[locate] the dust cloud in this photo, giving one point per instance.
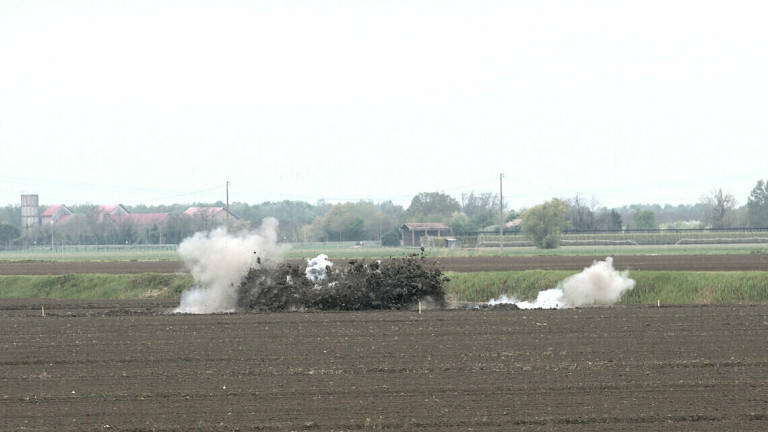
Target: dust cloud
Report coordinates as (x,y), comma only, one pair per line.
(218,260)
(598,284)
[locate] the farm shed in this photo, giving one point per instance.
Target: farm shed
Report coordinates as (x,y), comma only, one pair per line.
(412,232)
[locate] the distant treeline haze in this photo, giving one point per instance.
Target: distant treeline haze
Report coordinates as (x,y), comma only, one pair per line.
(368,221)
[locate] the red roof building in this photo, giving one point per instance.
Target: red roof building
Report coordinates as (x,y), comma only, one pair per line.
(112,210)
(55,214)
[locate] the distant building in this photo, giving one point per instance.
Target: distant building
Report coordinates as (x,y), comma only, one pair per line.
(55,214)
(514,223)
(117,215)
(30,211)
(111,210)
(412,232)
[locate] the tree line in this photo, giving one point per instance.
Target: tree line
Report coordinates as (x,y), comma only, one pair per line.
(368,221)
(544,223)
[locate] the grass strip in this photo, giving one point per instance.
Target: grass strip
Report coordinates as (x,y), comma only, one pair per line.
(95,286)
(668,287)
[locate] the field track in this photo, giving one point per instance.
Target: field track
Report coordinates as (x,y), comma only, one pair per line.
(730,262)
(126,366)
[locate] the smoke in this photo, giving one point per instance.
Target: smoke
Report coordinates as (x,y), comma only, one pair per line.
(317,266)
(218,260)
(598,284)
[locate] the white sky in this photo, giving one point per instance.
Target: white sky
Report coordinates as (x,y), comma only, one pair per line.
(160,102)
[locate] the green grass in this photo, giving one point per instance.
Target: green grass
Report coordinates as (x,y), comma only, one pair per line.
(483,286)
(94,286)
(698,288)
(668,287)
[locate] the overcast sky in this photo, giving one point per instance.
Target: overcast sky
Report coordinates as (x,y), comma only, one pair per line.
(161,102)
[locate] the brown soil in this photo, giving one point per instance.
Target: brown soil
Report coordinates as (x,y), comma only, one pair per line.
(461,264)
(125,365)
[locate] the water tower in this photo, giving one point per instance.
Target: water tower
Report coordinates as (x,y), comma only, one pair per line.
(30,211)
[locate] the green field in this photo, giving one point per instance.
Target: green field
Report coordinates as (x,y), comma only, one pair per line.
(334,251)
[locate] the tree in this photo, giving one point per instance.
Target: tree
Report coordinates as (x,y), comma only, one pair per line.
(76,230)
(11,215)
(432,207)
(719,208)
(176,228)
(8,233)
(666,214)
(460,223)
(512,215)
(544,223)
(391,238)
(580,215)
(616,222)
(482,210)
(293,216)
(757,205)
(645,219)
(608,220)
(353,221)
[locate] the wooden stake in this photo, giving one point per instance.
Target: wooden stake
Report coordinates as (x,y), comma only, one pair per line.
(419,306)
(42,309)
(658,303)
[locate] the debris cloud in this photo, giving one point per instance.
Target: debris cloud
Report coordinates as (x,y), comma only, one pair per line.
(318,267)
(218,260)
(598,284)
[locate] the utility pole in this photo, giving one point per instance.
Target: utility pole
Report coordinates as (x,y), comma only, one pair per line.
(227,205)
(501,215)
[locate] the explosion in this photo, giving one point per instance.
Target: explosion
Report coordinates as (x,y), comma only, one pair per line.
(218,261)
(598,284)
(245,272)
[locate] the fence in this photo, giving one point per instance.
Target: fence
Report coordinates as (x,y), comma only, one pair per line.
(368,244)
(626,237)
(74,252)
(94,248)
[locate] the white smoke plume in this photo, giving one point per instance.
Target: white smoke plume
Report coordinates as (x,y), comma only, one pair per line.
(598,284)
(316,267)
(218,261)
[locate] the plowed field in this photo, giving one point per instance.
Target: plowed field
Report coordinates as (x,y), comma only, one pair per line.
(461,264)
(124,365)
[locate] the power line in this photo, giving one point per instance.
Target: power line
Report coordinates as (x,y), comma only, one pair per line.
(210,189)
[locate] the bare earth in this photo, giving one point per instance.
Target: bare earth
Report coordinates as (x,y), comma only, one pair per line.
(124,365)
(757,262)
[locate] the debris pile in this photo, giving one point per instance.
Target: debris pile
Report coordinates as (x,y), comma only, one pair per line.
(394,283)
